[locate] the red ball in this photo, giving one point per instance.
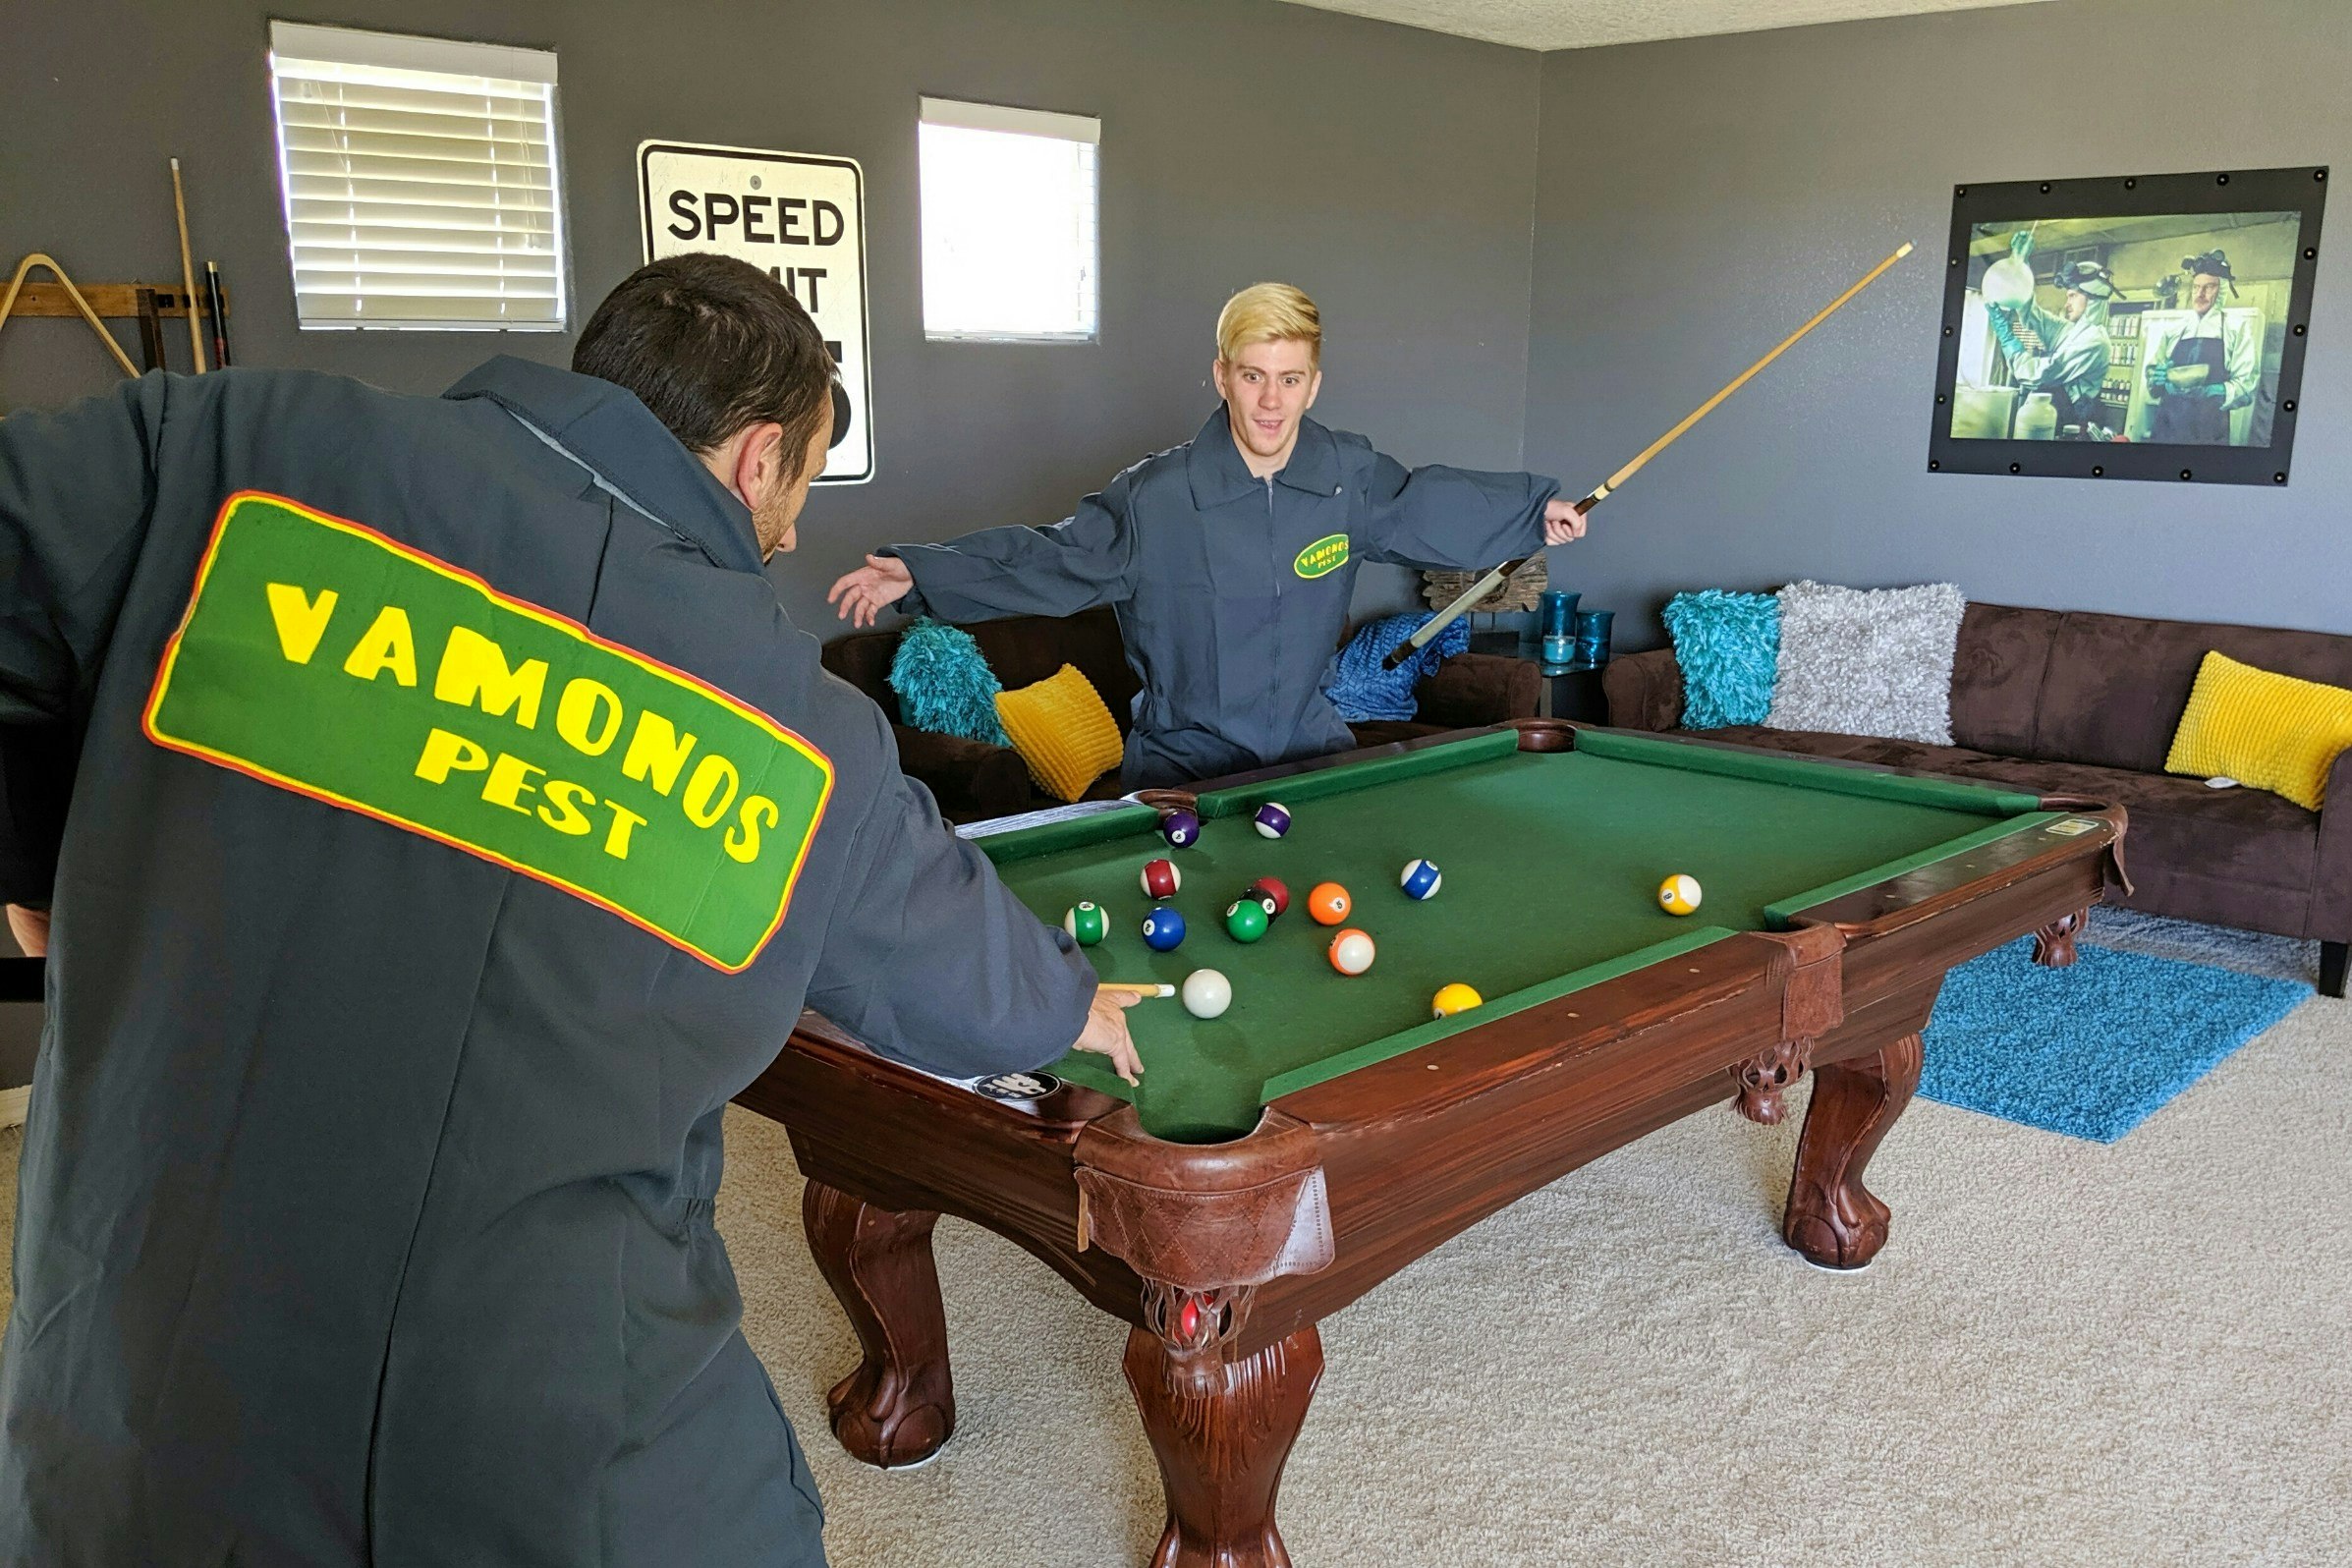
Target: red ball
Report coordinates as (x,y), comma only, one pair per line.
(1271,889)
(1160,879)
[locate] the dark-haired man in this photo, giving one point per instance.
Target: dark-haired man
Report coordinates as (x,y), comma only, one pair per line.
(459,821)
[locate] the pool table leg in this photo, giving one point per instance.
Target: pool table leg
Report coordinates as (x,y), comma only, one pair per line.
(2053,944)
(1221,1447)
(1831,1217)
(900,1405)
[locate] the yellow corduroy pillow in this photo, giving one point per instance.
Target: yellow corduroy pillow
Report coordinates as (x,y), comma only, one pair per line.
(2271,730)
(1062,731)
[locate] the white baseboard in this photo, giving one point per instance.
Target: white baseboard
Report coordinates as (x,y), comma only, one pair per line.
(13,1106)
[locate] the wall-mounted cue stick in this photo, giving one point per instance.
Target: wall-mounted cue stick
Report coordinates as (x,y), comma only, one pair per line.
(195,326)
(1494,579)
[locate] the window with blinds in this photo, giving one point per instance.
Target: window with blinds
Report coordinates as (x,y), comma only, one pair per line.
(421,181)
(1010,246)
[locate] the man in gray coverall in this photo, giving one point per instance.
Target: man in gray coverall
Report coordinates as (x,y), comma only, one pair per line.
(1230,560)
(459,824)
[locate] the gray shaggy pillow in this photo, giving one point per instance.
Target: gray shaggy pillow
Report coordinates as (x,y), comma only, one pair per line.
(1868,661)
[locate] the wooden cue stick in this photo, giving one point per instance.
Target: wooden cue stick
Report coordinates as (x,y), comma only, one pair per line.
(1128,988)
(196,325)
(1494,579)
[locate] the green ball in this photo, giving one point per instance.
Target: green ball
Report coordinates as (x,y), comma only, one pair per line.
(1087,924)
(1245,919)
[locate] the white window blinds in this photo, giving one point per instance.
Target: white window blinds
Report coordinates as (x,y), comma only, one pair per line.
(1009,222)
(421,181)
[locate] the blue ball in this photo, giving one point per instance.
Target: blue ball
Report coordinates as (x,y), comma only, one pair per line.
(1419,880)
(1272,819)
(1164,929)
(1180,829)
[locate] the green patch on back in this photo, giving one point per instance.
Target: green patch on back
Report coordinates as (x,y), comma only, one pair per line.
(325,658)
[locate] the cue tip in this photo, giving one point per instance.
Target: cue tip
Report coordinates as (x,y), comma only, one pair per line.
(1904,252)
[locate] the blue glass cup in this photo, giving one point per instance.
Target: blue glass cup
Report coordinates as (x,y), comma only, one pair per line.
(1593,637)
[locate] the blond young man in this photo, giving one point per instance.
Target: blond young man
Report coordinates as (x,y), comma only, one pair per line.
(1230,560)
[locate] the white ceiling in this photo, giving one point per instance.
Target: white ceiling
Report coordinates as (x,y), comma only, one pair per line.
(1584,24)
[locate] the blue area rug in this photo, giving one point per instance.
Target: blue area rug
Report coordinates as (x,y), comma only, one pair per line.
(2094,1050)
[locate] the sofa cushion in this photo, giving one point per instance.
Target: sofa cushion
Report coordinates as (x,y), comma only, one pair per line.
(2118,684)
(2248,838)
(1913,756)
(1998,672)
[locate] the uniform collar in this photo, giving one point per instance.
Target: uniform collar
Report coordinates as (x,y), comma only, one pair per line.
(1215,464)
(606,428)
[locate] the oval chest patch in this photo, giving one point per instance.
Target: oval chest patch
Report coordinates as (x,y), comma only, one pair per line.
(1323,557)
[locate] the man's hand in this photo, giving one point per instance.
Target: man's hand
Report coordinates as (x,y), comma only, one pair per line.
(862,594)
(30,928)
(1563,524)
(1106,1034)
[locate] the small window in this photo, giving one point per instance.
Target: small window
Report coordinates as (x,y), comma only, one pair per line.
(420,180)
(1009,235)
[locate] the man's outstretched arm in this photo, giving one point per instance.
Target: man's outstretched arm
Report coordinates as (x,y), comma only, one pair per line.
(1087,560)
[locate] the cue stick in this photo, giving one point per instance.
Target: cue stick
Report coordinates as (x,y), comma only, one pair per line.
(1494,579)
(150,328)
(216,305)
(1128,988)
(196,327)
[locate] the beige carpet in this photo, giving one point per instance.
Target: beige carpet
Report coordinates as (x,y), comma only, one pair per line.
(2068,1354)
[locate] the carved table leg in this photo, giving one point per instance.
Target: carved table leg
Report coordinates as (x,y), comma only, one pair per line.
(1831,1217)
(899,1406)
(2053,944)
(1221,1448)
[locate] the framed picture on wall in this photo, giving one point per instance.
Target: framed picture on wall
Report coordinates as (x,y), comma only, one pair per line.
(2138,327)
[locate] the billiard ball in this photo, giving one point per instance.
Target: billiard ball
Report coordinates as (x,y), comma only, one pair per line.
(1678,895)
(1180,828)
(1419,880)
(1330,903)
(1273,892)
(1272,819)
(1164,929)
(1454,998)
(1246,920)
(1160,879)
(1207,993)
(1351,951)
(1087,924)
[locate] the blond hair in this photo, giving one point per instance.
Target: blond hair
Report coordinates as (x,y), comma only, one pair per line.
(1269,312)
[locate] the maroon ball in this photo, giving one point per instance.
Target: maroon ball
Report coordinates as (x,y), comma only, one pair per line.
(1271,890)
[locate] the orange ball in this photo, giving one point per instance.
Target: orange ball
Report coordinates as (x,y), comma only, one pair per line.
(1330,903)
(1352,952)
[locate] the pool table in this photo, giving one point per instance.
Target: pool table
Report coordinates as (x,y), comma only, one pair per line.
(1283,1159)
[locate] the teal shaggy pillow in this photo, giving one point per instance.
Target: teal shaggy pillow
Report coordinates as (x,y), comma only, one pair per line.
(944,684)
(1728,645)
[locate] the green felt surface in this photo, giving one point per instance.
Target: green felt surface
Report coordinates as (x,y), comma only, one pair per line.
(1551,864)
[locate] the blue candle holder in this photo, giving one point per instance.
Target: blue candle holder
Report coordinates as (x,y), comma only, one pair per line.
(1556,626)
(1591,639)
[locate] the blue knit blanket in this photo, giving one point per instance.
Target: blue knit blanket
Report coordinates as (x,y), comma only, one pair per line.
(1363,691)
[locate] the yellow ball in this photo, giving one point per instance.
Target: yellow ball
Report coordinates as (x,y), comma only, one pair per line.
(1452,999)
(1678,895)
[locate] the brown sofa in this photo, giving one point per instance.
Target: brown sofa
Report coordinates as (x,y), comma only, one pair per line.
(2072,703)
(974,781)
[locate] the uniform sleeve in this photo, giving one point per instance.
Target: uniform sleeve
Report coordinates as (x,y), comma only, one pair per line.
(2031,363)
(2244,352)
(77,491)
(931,959)
(1450,519)
(1081,563)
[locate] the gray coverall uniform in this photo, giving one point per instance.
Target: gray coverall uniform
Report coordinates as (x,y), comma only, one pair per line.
(367,1199)
(1232,592)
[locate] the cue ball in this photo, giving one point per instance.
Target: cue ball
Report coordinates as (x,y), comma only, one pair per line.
(1352,952)
(1161,878)
(1207,993)
(1164,929)
(1329,902)
(1454,998)
(1419,880)
(1246,920)
(1087,924)
(1180,828)
(1678,895)
(1272,819)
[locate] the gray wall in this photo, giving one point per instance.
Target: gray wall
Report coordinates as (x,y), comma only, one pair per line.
(1387,171)
(1697,201)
